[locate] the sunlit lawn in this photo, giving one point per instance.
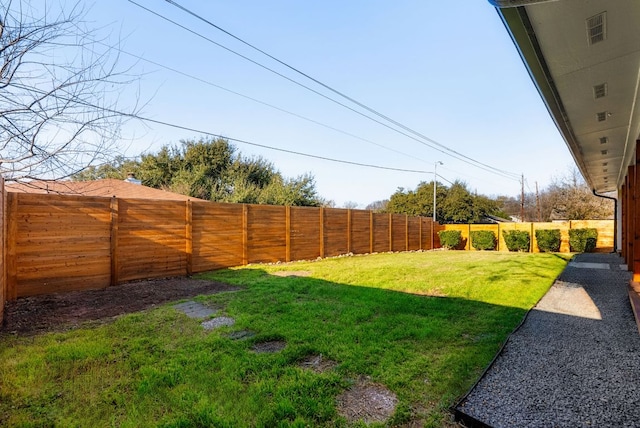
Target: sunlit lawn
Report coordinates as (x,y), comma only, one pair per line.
(422,324)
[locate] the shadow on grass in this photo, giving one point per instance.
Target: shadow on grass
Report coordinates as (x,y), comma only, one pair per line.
(428,350)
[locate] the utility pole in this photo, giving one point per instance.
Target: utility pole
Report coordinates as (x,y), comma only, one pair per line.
(522,200)
(538,203)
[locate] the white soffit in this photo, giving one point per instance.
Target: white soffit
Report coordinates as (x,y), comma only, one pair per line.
(576,66)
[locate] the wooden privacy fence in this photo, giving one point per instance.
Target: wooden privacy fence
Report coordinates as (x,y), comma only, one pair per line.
(62,243)
(55,243)
(604,244)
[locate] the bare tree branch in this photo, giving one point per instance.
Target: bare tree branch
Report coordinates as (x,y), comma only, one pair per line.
(59,93)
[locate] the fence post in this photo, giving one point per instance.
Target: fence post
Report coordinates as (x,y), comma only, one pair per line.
(532,238)
(287,233)
(12,234)
(114,240)
(420,233)
(189,236)
(322,232)
(349,230)
(390,232)
(3,244)
(245,234)
(371,235)
(433,232)
(406,232)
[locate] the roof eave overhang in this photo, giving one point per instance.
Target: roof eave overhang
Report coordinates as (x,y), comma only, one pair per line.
(518,25)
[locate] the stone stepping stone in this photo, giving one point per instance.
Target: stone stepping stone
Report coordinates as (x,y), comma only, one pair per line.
(194,309)
(218,322)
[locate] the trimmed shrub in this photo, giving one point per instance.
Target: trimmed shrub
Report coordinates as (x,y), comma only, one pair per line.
(548,240)
(583,240)
(450,239)
(483,240)
(517,240)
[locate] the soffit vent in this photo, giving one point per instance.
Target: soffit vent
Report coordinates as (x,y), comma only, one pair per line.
(600,91)
(602,116)
(604,140)
(596,28)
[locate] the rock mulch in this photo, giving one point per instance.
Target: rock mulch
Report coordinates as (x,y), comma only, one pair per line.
(574,361)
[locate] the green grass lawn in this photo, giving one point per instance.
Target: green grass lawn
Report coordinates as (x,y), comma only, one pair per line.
(424,325)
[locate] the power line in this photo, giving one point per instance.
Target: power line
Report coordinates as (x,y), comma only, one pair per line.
(186,128)
(335,91)
(264,146)
(431,143)
(299,116)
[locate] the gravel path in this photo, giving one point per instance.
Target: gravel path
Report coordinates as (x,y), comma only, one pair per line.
(575,362)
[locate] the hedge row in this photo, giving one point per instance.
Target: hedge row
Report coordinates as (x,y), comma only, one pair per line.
(549,240)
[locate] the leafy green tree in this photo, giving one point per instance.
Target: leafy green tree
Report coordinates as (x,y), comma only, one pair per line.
(454,204)
(417,202)
(457,207)
(213,170)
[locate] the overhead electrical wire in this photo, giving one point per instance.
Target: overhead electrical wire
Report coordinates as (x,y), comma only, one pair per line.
(431,143)
(299,116)
(335,91)
(237,140)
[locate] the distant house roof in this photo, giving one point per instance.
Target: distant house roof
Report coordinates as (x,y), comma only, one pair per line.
(107,188)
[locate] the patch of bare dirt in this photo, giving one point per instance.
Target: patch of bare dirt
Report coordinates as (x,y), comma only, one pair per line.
(269,346)
(367,402)
(62,311)
(295,273)
(317,363)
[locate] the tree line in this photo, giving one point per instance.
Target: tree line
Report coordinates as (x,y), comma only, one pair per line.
(566,198)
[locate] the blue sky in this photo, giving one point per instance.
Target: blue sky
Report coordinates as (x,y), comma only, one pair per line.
(446,69)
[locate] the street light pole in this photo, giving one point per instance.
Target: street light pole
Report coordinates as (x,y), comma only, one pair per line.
(435,186)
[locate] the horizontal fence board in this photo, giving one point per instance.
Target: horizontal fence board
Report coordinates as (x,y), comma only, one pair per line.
(56,285)
(360,232)
(305,233)
(380,233)
(414,233)
(61,243)
(336,240)
(398,234)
